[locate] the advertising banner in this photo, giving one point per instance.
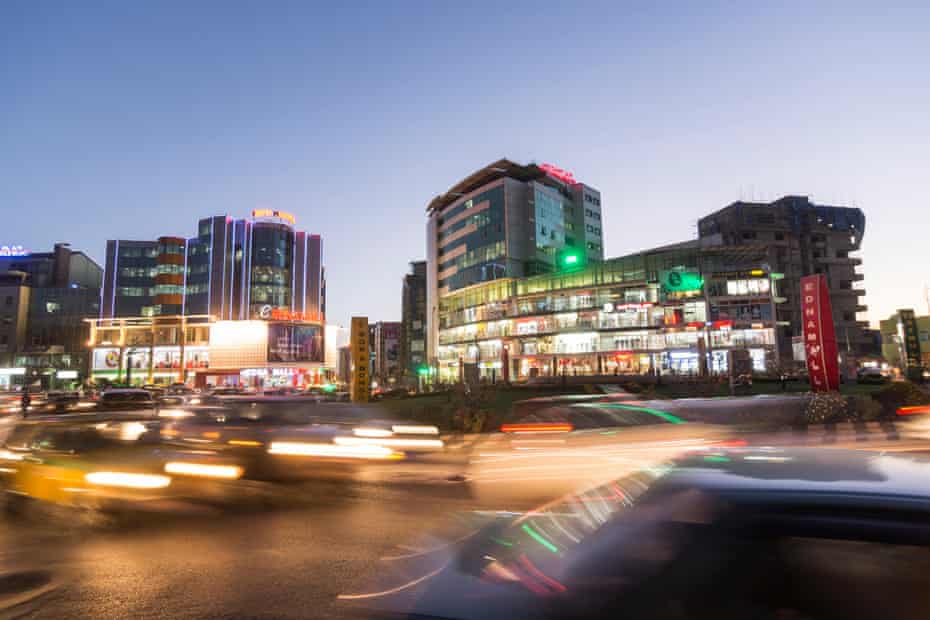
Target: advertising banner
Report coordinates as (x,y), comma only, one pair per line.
(288,342)
(819,334)
(361,381)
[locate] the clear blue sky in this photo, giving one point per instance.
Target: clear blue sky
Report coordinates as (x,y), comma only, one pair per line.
(133,119)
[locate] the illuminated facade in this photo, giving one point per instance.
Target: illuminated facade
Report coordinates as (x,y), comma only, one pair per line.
(232,270)
(508,221)
(199,350)
(673,310)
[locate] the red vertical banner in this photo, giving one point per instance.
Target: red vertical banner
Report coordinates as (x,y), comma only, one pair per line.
(819,334)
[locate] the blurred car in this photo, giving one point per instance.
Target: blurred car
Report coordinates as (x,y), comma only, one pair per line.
(871,375)
(719,534)
(550,452)
(101,462)
(271,438)
(532,405)
(126,399)
(61,402)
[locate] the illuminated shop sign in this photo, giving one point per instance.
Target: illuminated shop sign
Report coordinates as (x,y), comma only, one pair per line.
(630,307)
(281,215)
(13,250)
(280,314)
(681,281)
(558,173)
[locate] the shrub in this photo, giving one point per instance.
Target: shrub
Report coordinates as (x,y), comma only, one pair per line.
(826,408)
(900,394)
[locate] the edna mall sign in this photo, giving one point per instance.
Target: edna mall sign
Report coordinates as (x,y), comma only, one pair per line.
(13,250)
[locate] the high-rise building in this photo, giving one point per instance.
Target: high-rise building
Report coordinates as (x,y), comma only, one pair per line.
(232,270)
(508,221)
(413,320)
(802,238)
(44,300)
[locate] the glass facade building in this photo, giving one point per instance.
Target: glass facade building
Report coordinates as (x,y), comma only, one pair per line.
(675,310)
(507,221)
(232,269)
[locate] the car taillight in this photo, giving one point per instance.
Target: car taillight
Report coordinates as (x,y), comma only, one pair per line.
(914,410)
(537,427)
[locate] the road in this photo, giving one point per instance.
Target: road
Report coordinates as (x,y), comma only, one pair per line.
(288,562)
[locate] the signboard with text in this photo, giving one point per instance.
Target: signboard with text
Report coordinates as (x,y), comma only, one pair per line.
(819,334)
(361,381)
(911,343)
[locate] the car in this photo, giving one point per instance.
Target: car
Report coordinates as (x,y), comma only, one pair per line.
(103,462)
(545,454)
(273,438)
(126,399)
(871,375)
(719,533)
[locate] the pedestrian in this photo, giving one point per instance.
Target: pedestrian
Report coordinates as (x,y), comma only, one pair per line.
(25,402)
(784,382)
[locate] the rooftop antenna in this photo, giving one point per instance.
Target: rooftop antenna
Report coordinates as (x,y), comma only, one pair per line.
(927,297)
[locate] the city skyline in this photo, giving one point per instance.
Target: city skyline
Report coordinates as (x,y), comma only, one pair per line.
(258,115)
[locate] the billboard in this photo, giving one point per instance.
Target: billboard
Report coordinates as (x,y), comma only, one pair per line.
(819,334)
(361,380)
(292,342)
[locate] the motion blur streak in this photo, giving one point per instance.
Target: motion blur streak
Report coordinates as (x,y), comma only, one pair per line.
(405,429)
(536,428)
(227,472)
(129,481)
(6,455)
(394,443)
(371,432)
(539,538)
(331,450)
(244,442)
(174,413)
(546,579)
(913,410)
(409,584)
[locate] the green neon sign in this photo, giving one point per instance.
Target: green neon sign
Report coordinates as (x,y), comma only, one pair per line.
(682,281)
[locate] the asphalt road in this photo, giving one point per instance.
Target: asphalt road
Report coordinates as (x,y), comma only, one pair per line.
(291,561)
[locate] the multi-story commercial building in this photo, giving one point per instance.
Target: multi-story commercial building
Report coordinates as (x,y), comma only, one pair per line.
(384,343)
(14,317)
(895,340)
(678,309)
(508,221)
(804,238)
(45,298)
(232,270)
(413,321)
(243,302)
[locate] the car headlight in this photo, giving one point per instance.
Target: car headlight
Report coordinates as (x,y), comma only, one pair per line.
(127,480)
(204,470)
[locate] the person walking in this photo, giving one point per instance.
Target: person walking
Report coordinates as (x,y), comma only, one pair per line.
(25,402)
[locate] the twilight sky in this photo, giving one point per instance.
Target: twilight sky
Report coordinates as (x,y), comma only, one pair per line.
(133,119)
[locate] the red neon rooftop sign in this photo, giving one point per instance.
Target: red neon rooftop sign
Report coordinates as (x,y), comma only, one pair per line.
(558,173)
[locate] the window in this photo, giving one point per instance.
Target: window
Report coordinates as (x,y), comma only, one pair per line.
(779,236)
(4,339)
(52,307)
(9,300)
(749,235)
